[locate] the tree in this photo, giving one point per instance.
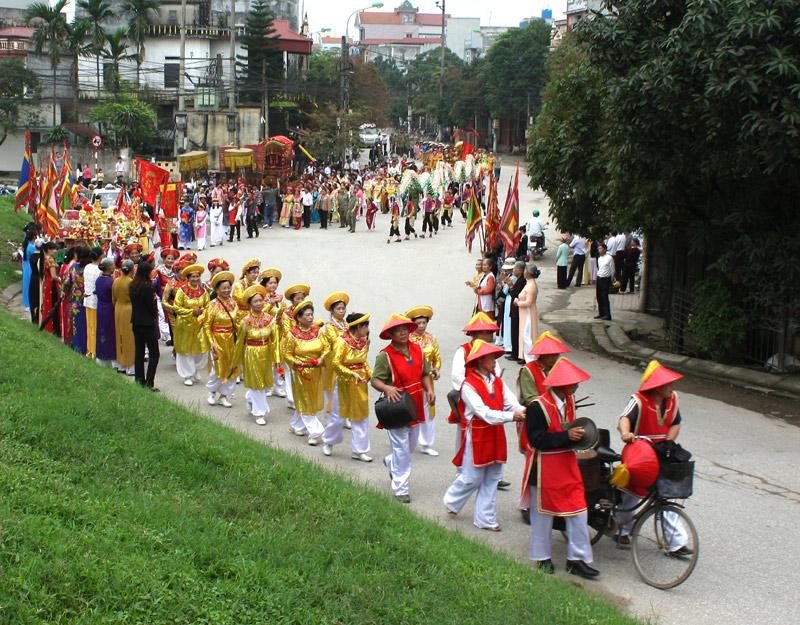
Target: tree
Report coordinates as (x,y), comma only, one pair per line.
(19,87)
(263,57)
(140,15)
(513,74)
(694,132)
(50,35)
(129,122)
(116,51)
(74,45)
(97,11)
(422,80)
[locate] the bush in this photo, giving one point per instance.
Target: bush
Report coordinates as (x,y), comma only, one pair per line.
(717,320)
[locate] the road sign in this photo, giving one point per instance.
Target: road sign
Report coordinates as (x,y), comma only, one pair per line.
(97,141)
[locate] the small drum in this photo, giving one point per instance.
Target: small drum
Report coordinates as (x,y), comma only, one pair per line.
(590,467)
(396,415)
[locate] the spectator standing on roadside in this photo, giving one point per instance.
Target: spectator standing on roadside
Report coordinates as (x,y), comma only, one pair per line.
(578,245)
(270,195)
(562,261)
(605,274)
(119,168)
(593,254)
(629,265)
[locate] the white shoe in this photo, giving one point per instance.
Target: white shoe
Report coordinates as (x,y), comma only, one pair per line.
(297,432)
(223,401)
(239,380)
(327,449)
(347,425)
(314,441)
(212,398)
(430,451)
(363,457)
(281,393)
(188,382)
(261,421)
(291,405)
(196,377)
(269,392)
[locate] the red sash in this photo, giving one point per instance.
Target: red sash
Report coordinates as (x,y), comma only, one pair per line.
(452,418)
(560,486)
(407,375)
(488,441)
(648,423)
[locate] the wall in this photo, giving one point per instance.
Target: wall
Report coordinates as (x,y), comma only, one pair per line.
(207,131)
(458,29)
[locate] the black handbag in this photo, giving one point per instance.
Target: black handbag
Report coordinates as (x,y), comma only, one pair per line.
(395,415)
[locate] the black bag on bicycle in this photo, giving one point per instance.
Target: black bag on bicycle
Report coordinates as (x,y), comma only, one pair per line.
(671,452)
(675,480)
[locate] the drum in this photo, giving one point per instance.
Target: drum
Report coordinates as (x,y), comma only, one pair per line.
(591,470)
(396,415)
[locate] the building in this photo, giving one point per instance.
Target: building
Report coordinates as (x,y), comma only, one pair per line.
(578,10)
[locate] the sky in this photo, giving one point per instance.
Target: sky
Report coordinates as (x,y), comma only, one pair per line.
(333,13)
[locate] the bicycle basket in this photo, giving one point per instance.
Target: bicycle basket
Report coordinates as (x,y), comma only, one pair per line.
(675,480)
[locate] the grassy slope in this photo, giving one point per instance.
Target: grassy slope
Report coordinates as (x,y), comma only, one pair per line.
(11,224)
(119,506)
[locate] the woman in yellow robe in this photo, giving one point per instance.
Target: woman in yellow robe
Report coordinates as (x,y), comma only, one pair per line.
(351,398)
(294,295)
(220,328)
(306,348)
(275,305)
(255,352)
(171,290)
(336,303)
(191,343)
(248,278)
(421,315)
(120,297)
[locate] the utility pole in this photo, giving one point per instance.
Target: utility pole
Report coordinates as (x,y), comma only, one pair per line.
(182,66)
(441,70)
(232,95)
(345,94)
(264,99)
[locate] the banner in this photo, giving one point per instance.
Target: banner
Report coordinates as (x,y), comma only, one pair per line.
(509,227)
(27,176)
(492,227)
(169,199)
(150,179)
(474,218)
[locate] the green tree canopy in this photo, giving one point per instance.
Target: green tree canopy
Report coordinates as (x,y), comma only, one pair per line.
(128,121)
(19,88)
(263,63)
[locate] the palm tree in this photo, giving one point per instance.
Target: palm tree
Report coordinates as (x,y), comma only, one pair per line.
(77,32)
(97,11)
(50,33)
(116,50)
(140,13)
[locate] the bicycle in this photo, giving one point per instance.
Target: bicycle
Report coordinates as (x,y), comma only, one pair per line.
(658,521)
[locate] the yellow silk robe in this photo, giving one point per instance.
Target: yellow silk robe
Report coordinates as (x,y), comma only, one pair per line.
(349,358)
(332,331)
(188,335)
(255,350)
(301,347)
(430,349)
(238,296)
(219,327)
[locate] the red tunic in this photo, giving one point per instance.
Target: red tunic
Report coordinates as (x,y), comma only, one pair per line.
(488,440)
(560,486)
(407,375)
(651,423)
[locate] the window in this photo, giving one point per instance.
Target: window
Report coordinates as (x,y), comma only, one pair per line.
(409,35)
(407,18)
(171,75)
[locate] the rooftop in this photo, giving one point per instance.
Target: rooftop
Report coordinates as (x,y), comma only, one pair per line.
(17,32)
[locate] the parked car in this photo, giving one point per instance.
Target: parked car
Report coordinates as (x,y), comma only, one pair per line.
(369,135)
(107,196)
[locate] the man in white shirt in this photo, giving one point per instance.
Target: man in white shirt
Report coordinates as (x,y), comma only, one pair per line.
(578,245)
(605,274)
(355,165)
(308,201)
(611,244)
(488,404)
(535,231)
(119,168)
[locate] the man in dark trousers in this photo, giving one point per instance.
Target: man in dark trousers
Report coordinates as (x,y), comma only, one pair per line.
(513,293)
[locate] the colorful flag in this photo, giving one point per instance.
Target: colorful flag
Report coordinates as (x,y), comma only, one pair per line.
(509,227)
(474,218)
(48,208)
(492,226)
(150,179)
(169,199)
(27,176)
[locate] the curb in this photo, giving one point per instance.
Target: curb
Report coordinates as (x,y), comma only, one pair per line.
(10,292)
(612,339)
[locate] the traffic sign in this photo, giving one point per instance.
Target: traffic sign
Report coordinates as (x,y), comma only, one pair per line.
(97,141)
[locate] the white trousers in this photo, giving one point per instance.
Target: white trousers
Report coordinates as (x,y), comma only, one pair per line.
(280,383)
(427,429)
(201,243)
(307,423)
(163,324)
(220,385)
(332,400)
(458,444)
(578,545)
(471,479)
(287,376)
(403,441)
(256,401)
(673,530)
(359,433)
(191,365)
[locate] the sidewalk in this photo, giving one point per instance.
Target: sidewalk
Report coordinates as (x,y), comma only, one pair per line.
(614,337)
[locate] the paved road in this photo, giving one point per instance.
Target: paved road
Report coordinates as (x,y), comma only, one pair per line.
(746,493)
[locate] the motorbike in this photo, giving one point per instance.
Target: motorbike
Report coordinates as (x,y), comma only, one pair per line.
(538,248)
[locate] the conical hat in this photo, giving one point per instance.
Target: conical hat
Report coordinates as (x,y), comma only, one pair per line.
(481,322)
(657,375)
(480,349)
(396,321)
(565,373)
(548,344)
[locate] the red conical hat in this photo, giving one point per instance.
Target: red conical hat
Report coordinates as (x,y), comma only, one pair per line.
(480,349)
(396,321)
(565,373)
(657,375)
(548,344)
(481,322)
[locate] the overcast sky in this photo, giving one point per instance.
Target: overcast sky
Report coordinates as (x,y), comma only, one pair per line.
(333,13)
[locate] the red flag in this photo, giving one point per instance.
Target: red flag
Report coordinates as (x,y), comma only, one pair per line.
(509,227)
(150,179)
(169,199)
(492,215)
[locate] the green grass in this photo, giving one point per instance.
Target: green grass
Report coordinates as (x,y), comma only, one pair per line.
(11,224)
(120,506)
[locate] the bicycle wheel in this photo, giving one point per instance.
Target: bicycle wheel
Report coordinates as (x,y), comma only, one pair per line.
(656,535)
